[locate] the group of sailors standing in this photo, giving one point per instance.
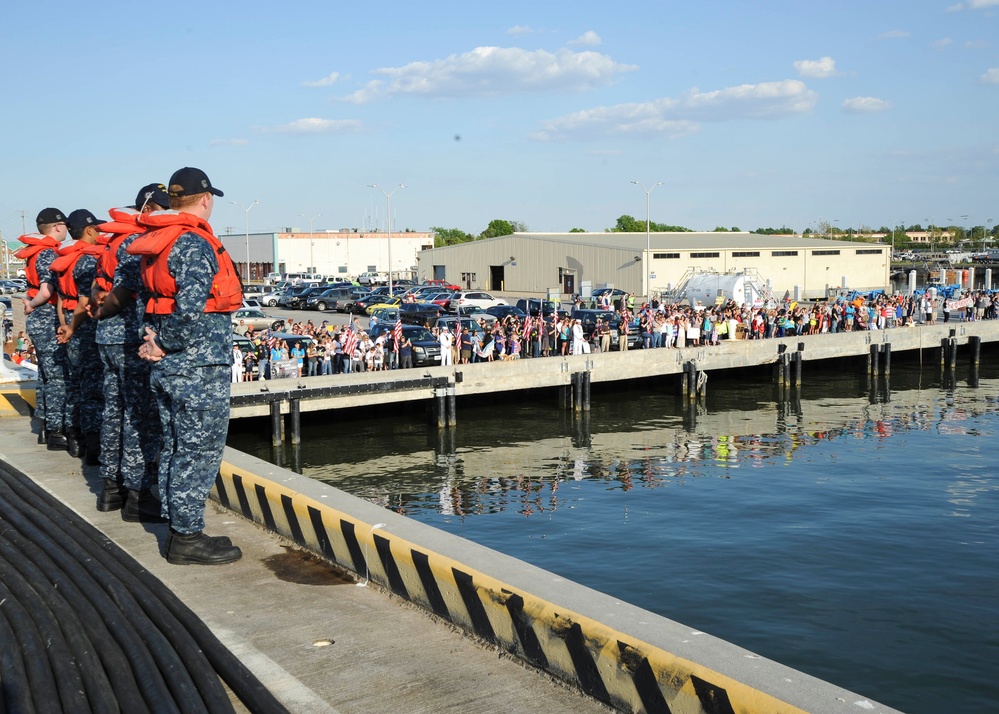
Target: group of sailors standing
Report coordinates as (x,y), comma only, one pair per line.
(130,319)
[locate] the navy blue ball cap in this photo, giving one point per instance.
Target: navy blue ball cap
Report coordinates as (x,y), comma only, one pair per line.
(50,215)
(80,219)
(189,181)
(152,193)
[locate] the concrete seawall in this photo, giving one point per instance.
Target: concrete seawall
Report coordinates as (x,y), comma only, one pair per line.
(619,654)
(344,391)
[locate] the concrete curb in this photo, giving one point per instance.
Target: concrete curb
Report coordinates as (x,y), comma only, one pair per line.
(621,655)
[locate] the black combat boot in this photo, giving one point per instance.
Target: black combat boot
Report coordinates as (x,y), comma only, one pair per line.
(141,506)
(57,440)
(199,549)
(74,443)
(43,435)
(93,440)
(112,496)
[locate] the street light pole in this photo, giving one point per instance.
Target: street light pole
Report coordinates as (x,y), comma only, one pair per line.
(246,212)
(312,242)
(388,225)
(648,236)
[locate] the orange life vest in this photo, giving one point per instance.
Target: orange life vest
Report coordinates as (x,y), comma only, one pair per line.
(35,243)
(65,264)
(121,226)
(165,227)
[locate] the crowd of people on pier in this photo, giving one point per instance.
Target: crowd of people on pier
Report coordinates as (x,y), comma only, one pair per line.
(336,349)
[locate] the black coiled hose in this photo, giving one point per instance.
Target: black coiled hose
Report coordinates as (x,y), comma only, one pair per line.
(94,630)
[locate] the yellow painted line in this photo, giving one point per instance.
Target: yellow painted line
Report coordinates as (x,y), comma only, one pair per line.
(627,673)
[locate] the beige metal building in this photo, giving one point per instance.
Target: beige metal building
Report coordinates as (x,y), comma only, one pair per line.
(575,262)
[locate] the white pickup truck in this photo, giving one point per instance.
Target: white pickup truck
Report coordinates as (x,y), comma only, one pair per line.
(373,278)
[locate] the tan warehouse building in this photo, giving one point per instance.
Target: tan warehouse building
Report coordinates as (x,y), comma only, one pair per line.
(575,262)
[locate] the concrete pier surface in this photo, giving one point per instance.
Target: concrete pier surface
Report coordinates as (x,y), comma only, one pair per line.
(278,607)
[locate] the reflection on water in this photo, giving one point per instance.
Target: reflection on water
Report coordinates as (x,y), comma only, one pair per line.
(847,530)
(515,456)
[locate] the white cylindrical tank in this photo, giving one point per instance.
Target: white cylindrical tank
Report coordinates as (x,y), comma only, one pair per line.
(706,288)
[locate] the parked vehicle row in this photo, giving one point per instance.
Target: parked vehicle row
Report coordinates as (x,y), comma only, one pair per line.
(9,286)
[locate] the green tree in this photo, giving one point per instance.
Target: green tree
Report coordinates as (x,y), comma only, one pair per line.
(577,230)
(720,229)
(499,227)
(735,229)
(449,236)
(782,231)
(629,224)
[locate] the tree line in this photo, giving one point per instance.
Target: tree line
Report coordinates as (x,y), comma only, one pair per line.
(630,224)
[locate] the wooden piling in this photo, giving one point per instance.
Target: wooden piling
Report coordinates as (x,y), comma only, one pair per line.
(277,437)
(295,420)
(452,405)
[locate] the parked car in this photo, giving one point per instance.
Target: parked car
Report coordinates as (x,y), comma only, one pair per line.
(326,298)
(426,348)
(416,313)
(501,312)
(348,303)
(442,284)
(295,298)
(8,307)
(382,301)
(476,313)
(615,295)
(361,305)
(441,300)
(451,322)
(256,318)
(8,288)
(474,297)
(271,299)
(384,314)
(537,306)
(589,319)
(372,278)
(272,278)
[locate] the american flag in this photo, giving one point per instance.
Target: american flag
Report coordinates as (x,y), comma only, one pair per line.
(397,334)
(527,327)
(349,341)
(271,341)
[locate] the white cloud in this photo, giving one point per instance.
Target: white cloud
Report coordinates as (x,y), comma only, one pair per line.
(941,43)
(495,71)
(973,5)
(520,30)
(371,91)
(676,117)
(588,39)
(820,68)
(865,105)
(893,34)
(326,81)
(991,76)
(976,44)
(313,125)
(229,142)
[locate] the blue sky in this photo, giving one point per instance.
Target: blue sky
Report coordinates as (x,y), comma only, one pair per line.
(859,113)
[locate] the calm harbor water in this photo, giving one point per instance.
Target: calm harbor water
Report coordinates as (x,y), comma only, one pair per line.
(850,533)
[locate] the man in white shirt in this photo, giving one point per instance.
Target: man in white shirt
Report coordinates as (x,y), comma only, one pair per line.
(577,337)
(445,339)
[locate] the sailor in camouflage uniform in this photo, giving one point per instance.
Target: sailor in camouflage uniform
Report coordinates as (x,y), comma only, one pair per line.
(130,429)
(41,323)
(190,350)
(84,398)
